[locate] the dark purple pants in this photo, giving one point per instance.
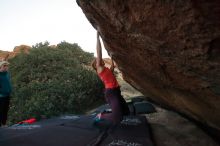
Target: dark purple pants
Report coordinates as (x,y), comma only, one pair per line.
(4,107)
(117,103)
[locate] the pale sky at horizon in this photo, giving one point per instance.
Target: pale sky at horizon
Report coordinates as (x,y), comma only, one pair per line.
(33,21)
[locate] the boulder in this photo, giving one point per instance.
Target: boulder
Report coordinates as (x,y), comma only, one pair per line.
(167,49)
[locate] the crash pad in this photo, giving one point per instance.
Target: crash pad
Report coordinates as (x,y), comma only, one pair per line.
(133,130)
(79,132)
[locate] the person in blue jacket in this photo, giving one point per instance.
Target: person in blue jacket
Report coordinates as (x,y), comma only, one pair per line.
(5,91)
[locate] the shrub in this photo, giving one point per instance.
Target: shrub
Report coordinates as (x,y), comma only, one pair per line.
(52,81)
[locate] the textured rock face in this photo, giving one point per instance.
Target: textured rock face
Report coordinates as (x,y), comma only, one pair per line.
(168,49)
(17,50)
(21,48)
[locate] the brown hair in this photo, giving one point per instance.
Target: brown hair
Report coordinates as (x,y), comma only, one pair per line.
(93,64)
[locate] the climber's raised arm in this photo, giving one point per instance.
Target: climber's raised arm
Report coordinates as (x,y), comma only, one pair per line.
(99,62)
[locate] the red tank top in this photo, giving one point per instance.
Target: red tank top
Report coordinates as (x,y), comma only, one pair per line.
(108,78)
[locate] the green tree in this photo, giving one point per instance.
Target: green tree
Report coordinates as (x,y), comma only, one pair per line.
(51,81)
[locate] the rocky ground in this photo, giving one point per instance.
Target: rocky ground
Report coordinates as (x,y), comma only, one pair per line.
(169,128)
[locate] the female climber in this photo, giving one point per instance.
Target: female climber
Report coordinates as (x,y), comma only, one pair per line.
(112,90)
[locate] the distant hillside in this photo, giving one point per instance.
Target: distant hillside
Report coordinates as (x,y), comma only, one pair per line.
(17,49)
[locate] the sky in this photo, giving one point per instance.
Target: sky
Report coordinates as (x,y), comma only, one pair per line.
(33,21)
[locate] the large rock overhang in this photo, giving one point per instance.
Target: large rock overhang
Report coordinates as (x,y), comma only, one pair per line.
(167,49)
